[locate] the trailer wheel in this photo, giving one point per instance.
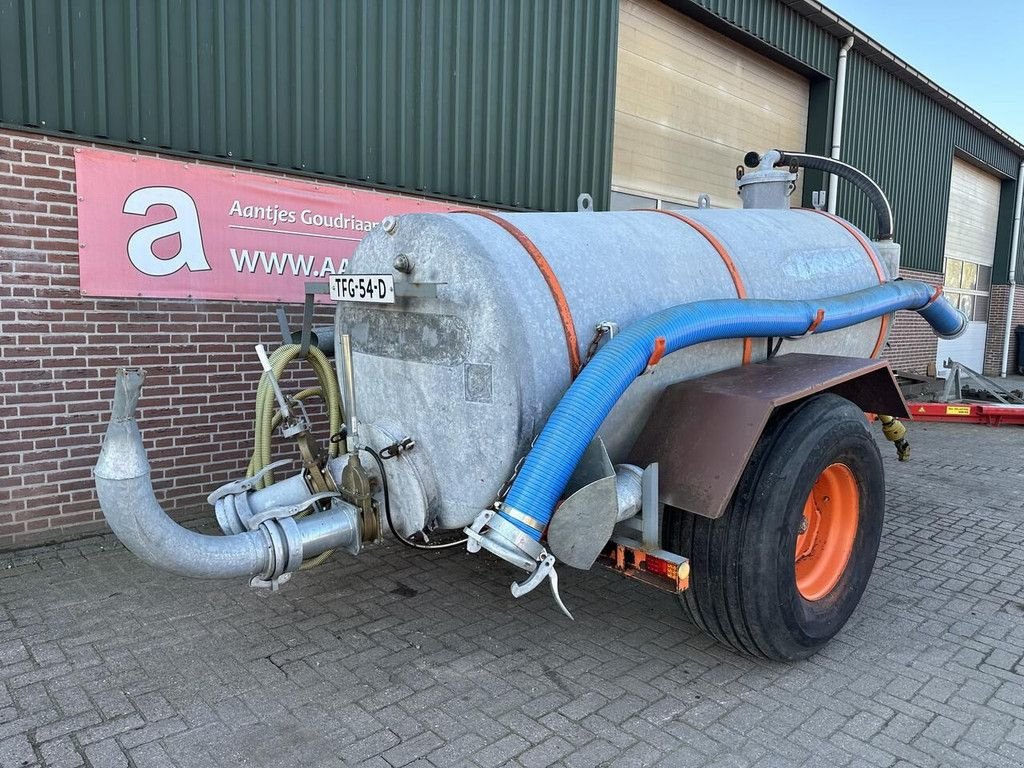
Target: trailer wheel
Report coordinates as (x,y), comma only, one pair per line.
(779,574)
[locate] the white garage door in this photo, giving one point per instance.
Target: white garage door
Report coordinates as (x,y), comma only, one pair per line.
(689,103)
(970,247)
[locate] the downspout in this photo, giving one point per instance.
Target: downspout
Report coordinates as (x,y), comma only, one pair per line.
(1014,247)
(837,121)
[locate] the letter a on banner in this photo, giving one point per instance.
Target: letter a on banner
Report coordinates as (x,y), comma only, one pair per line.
(185,225)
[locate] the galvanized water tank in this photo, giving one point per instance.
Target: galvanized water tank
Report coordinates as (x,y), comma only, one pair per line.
(472,374)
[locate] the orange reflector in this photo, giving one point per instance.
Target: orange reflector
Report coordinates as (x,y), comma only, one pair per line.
(669,572)
(660,567)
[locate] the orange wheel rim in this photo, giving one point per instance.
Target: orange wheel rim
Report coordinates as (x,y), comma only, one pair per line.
(827,531)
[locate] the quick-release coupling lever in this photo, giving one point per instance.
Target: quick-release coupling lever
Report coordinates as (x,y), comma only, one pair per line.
(489,531)
(545,569)
(247,484)
(289,510)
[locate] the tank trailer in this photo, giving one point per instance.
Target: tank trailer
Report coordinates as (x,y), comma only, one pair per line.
(681,396)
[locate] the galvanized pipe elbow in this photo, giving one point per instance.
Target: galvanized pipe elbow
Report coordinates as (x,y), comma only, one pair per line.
(126,497)
(134,514)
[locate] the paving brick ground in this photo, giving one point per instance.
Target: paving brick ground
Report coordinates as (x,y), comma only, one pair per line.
(403,659)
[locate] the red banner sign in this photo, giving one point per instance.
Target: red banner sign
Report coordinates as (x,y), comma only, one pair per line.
(175,229)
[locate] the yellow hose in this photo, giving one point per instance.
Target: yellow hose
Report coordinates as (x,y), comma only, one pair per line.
(268,416)
(266,406)
(275,422)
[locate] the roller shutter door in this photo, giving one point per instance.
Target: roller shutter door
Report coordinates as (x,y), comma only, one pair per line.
(970,246)
(690,103)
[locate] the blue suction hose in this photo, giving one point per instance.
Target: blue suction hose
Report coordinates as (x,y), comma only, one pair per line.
(577,417)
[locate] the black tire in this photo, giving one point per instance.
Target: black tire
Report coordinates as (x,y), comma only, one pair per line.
(743,588)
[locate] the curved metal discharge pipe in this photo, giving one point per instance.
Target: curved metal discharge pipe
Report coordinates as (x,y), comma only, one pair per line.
(579,414)
(859,179)
(126,497)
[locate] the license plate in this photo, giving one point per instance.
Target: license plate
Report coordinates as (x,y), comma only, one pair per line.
(379,289)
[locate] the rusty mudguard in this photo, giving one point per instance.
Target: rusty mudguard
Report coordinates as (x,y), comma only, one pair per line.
(702,431)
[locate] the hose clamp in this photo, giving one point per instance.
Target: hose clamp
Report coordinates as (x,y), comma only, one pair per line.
(522,517)
(285,544)
(501,538)
(935,296)
(657,352)
(818,317)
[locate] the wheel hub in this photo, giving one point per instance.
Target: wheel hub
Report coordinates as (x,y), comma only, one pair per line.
(827,531)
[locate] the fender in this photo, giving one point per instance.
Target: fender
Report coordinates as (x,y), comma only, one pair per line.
(702,431)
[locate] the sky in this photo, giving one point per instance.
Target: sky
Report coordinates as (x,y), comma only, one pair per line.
(972,48)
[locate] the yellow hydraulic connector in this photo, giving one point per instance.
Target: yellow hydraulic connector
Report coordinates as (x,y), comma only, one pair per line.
(896,433)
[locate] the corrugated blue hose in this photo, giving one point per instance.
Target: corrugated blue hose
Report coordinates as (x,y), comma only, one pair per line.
(578,415)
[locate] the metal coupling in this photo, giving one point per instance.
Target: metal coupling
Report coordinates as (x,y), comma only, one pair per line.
(281,513)
(499,537)
(270,531)
(285,546)
(895,431)
(292,539)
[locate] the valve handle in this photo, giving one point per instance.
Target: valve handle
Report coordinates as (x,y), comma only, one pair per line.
(545,570)
(276,513)
(282,401)
(246,484)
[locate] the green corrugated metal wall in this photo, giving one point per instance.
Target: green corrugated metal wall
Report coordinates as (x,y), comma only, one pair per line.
(906,142)
(505,103)
(780,27)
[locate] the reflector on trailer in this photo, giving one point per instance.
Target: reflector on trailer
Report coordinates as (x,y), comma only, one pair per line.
(659,568)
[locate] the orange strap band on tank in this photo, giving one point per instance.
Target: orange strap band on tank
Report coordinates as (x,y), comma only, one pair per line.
(561,303)
(734,273)
(884,328)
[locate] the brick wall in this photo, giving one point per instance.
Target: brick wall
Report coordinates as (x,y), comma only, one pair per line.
(58,352)
(912,344)
(997,327)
